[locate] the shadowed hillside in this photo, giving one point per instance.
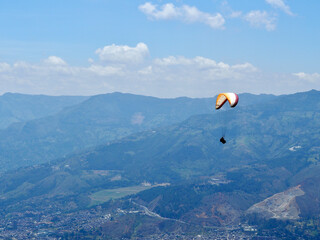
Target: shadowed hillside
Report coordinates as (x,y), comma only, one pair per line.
(183,173)
(99,119)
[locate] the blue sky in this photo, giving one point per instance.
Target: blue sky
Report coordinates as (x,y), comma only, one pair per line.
(159,48)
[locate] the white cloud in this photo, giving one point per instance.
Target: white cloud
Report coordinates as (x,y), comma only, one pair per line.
(105,70)
(146,70)
(228,11)
(184,13)
(314,77)
(235,14)
(281,5)
(261,19)
(246,67)
(163,77)
(55,60)
(199,76)
(4,67)
(167,11)
(204,64)
(123,54)
(171,61)
(171,76)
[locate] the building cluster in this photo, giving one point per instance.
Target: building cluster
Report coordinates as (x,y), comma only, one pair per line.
(44,225)
(49,224)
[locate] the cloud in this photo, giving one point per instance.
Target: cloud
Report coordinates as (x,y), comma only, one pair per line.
(184,13)
(281,5)
(198,76)
(105,70)
(4,67)
(315,77)
(235,14)
(204,64)
(123,54)
(168,11)
(257,18)
(55,60)
(261,19)
(228,11)
(170,76)
(146,70)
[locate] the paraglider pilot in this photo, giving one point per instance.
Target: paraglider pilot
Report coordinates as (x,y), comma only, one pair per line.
(223,140)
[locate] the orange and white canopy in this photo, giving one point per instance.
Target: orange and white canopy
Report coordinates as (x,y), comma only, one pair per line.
(223,97)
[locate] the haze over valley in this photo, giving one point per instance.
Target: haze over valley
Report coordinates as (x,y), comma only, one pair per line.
(161,159)
(176,119)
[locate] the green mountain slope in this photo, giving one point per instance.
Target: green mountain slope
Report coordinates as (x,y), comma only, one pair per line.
(268,134)
(263,134)
(99,119)
(271,147)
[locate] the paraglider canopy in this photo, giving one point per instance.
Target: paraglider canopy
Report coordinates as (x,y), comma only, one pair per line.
(223,97)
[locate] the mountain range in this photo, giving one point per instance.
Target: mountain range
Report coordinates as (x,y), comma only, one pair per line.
(87,123)
(271,158)
(15,107)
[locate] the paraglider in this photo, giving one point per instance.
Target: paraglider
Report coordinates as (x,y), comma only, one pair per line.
(223,140)
(222,98)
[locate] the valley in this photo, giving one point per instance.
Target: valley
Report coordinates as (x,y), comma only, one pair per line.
(178,180)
